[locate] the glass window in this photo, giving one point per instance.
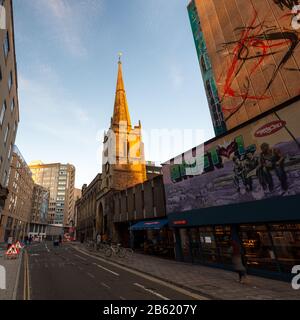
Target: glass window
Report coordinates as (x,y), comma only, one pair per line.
(223,241)
(10,80)
(2,114)
(185,243)
(6,45)
(257,246)
(6,133)
(286,241)
(208,245)
(12,105)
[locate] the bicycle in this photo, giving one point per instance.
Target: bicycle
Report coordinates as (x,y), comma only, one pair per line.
(116,250)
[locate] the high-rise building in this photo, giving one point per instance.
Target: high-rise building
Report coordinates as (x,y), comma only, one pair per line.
(39,211)
(15,218)
(59,179)
(9,105)
(249,56)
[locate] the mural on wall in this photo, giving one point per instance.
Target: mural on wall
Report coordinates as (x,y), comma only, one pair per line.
(254,53)
(258,161)
(265,40)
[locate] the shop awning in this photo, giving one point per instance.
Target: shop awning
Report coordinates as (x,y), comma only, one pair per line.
(154,225)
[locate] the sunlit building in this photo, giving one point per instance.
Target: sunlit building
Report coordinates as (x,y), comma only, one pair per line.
(15,218)
(59,179)
(249,55)
(9,104)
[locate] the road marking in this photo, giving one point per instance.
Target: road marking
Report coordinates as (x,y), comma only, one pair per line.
(98,265)
(80,268)
(26,288)
(34,255)
(90,275)
(84,259)
(122,298)
(148,277)
(105,285)
(151,291)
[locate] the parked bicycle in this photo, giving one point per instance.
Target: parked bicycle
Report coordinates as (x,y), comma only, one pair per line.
(118,250)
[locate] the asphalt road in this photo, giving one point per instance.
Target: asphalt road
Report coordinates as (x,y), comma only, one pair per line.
(63,273)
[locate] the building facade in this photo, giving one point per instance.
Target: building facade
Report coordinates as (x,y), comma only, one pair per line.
(9,103)
(248,53)
(244,187)
(59,179)
(86,208)
(15,218)
(39,211)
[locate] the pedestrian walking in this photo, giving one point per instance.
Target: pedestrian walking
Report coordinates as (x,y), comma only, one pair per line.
(238,262)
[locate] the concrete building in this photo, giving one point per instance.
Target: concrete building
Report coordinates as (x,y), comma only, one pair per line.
(248,53)
(16,215)
(86,208)
(59,179)
(39,211)
(9,103)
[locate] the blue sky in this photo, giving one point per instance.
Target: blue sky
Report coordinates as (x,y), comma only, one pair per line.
(67,68)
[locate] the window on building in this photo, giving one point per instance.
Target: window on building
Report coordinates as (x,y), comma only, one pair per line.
(12,105)
(6,134)
(6,45)
(2,114)
(9,151)
(10,80)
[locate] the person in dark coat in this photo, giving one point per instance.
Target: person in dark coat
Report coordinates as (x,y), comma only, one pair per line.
(238,263)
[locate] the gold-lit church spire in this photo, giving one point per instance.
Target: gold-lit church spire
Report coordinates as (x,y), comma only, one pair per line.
(121,112)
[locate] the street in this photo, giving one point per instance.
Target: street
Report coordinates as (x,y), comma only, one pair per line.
(64,273)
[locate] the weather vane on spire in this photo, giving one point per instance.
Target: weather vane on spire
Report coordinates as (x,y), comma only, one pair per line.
(120,55)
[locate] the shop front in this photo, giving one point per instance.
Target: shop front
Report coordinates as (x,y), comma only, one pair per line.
(269,248)
(153,237)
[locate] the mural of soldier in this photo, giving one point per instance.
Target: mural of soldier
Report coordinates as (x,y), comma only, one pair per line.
(273,159)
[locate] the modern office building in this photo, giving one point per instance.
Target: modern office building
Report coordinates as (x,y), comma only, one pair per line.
(39,211)
(15,218)
(9,104)
(249,56)
(59,179)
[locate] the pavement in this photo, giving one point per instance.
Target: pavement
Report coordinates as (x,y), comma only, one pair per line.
(68,273)
(12,270)
(209,282)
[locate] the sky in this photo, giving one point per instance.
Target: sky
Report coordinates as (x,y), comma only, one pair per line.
(67,53)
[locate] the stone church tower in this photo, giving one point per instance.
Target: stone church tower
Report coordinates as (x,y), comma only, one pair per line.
(123,161)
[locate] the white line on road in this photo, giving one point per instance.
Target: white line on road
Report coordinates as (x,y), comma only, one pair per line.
(122,298)
(151,291)
(145,276)
(90,275)
(98,265)
(105,285)
(80,257)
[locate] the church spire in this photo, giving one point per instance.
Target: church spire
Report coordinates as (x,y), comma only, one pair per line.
(121,112)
